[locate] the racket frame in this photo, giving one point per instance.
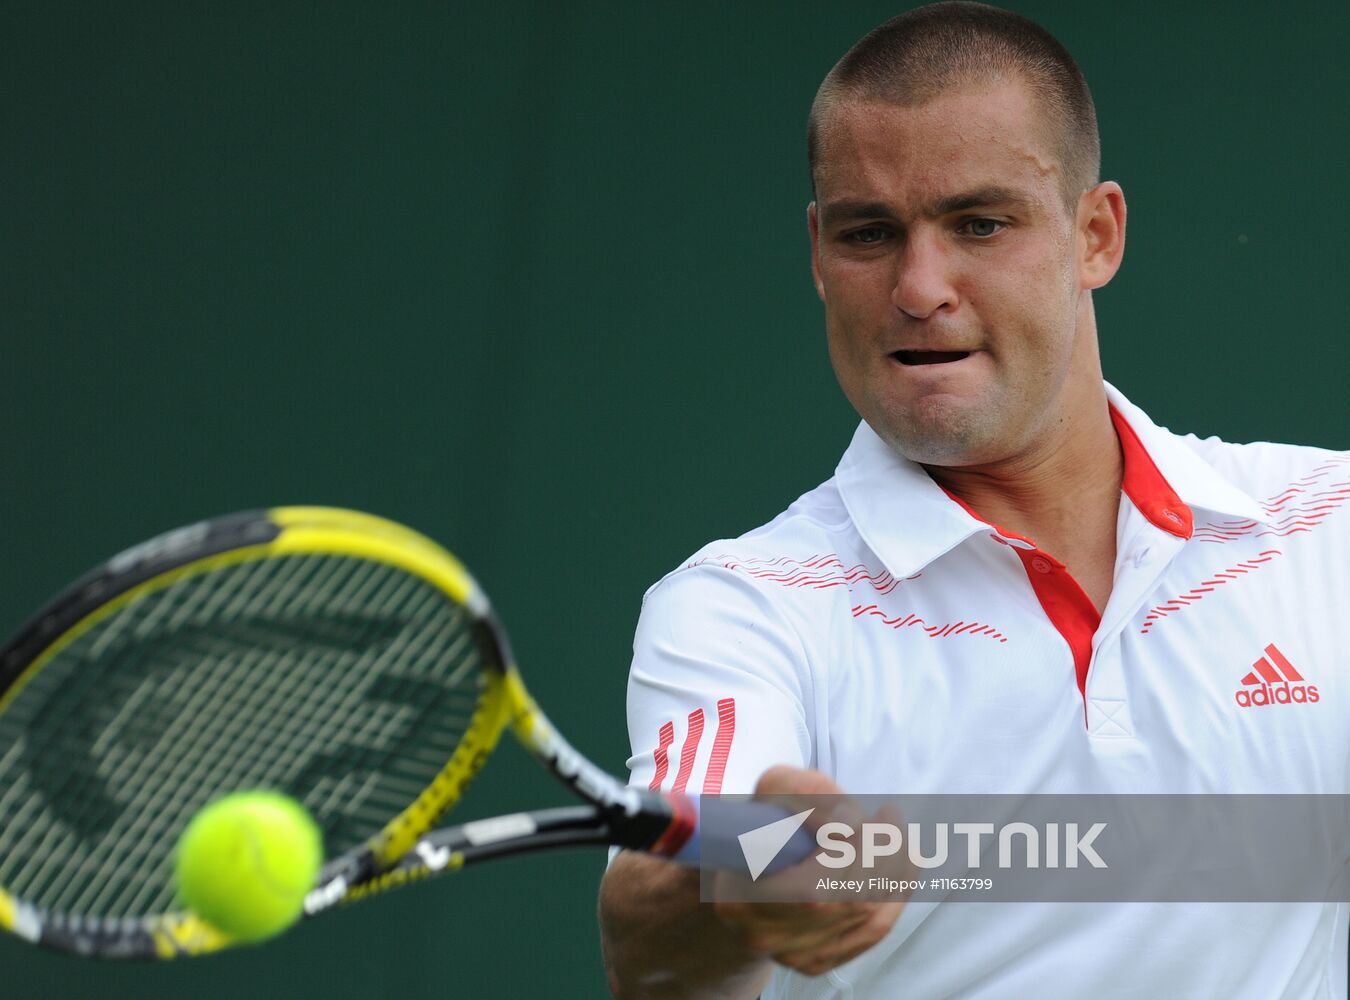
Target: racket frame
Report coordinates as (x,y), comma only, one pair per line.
(402,851)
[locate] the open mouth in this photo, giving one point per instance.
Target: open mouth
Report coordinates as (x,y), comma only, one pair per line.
(929,357)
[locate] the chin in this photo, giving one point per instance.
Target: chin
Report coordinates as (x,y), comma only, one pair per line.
(943,435)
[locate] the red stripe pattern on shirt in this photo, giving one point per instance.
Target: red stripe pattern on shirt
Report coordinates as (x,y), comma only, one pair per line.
(667,737)
(690,751)
(717,762)
(726,729)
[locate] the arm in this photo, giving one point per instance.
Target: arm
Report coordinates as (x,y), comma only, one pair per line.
(660,941)
(714,654)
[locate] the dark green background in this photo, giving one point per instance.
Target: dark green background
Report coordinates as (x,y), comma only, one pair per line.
(534,278)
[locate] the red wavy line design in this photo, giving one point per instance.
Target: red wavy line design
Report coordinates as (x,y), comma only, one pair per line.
(817,572)
(1161,611)
(827,570)
(1303,507)
(934,631)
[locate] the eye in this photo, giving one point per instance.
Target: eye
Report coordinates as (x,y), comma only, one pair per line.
(983,228)
(867,236)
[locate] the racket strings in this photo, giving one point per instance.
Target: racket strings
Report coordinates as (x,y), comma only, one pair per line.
(147,709)
(150,708)
(344,682)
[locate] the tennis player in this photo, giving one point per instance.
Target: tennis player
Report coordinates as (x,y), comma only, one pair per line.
(1015,582)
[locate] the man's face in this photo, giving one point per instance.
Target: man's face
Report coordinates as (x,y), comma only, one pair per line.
(947,261)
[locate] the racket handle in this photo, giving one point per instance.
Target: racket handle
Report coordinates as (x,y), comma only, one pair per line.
(721,845)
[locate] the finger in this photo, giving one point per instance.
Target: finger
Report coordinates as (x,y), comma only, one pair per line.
(768,929)
(774,943)
(796,789)
(784,780)
(790,918)
(841,809)
(844,947)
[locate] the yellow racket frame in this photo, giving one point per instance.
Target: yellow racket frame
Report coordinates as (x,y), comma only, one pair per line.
(336,531)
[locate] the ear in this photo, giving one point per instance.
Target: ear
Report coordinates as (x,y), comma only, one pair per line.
(1101,234)
(813,224)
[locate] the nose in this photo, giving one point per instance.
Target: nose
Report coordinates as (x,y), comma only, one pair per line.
(923,283)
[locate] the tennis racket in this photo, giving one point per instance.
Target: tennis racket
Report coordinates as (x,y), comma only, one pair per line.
(335,656)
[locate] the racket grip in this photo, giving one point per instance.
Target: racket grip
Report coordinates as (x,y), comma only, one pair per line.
(723,844)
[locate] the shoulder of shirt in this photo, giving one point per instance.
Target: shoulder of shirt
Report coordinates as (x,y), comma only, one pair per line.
(1261,468)
(816,524)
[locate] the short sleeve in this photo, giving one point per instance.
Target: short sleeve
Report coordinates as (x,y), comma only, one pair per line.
(718,690)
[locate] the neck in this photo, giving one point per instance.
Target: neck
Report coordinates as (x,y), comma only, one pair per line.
(1064,495)
(1069,478)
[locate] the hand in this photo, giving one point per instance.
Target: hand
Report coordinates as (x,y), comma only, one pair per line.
(811,938)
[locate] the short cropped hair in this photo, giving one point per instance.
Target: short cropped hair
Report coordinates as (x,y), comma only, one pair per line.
(944,47)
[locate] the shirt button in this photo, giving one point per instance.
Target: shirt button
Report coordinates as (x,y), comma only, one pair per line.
(1141,556)
(1172,516)
(1040,565)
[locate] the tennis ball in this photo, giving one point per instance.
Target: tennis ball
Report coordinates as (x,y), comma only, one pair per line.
(246,861)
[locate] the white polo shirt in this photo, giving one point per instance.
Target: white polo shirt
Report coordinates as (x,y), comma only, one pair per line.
(879,631)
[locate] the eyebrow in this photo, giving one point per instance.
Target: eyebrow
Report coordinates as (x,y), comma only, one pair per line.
(979,198)
(856,208)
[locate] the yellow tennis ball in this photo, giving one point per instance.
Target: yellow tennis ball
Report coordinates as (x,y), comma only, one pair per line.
(246,861)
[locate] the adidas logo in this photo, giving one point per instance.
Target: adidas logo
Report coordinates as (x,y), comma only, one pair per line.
(1275,682)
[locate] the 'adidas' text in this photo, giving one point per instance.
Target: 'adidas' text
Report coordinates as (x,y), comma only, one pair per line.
(1285,694)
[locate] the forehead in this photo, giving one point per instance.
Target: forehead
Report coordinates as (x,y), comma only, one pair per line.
(984,136)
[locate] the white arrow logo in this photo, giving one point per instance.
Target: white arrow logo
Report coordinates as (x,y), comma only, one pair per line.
(762,844)
(435,858)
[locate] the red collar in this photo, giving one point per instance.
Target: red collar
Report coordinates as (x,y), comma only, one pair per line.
(1146,487)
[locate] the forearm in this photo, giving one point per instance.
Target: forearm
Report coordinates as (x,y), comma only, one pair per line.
(661,943)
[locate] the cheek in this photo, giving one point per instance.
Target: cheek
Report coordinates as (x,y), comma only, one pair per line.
(846,304)
(858,294)
(1031,308)
(853,355)
(846,351)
